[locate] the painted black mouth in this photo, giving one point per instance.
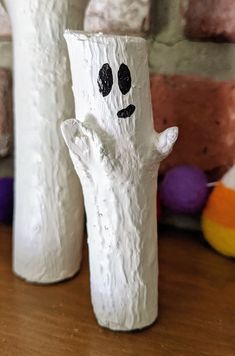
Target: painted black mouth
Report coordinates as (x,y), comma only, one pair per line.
(127,112)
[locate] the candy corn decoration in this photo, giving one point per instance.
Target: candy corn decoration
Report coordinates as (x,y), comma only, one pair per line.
(218,220)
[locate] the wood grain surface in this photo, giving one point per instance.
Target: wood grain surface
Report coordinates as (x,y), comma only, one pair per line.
(197,308)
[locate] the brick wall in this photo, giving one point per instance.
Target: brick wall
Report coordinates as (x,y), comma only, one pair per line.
(5,40)
(6,115)
(192,60)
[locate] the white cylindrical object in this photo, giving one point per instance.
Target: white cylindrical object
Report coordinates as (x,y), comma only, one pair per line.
(116,153)
(48,218)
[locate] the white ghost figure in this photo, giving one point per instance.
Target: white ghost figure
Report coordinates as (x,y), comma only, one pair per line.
(116,154)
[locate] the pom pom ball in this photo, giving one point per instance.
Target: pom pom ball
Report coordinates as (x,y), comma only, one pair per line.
(218,218)
(6,200)
(184,190)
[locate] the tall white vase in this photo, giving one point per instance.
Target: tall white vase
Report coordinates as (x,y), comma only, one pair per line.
(116,154)
(48,221)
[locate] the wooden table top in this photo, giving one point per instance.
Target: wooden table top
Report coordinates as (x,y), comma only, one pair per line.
(197,308)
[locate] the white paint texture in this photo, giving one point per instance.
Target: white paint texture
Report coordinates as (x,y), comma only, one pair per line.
(119,16)
(117,161)
(48,222)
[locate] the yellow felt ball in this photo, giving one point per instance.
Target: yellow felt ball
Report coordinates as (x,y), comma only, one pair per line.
(218,218)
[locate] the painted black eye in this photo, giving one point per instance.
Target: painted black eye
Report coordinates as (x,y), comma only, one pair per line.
(124,79)
(105,79)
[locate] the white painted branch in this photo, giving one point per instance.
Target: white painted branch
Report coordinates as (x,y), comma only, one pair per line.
(48,224)
(116,157)
(119,16)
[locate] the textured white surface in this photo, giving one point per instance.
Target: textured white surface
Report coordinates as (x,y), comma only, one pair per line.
(119,16)
(117,161)
(48,221)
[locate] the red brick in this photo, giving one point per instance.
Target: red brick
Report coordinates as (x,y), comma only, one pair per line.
(204,110)
(6,123)
(5,28)
(210,19)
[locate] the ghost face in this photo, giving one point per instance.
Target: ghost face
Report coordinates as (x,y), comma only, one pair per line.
(105,83)
(111,82)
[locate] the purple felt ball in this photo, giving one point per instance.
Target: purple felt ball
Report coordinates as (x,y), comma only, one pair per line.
(6,200)
(184,190)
